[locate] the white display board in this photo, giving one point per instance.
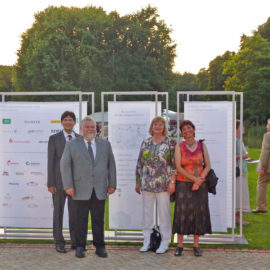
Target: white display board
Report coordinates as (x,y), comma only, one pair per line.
(24,132)
(213,122)
(129,123)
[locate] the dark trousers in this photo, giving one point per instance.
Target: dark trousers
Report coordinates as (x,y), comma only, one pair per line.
(96,208)
(59,199)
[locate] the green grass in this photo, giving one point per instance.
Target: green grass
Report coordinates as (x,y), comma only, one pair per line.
(257,232)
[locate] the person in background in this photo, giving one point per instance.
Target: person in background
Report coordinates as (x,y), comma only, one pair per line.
(105,133)
(264,173)
(56,147)
(89,175)
(241,152)
(191,212)
(155,169)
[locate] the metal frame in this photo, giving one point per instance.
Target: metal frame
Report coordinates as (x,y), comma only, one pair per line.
(134,93)
(62,93)
(224,238)
(124,235)
(12,233)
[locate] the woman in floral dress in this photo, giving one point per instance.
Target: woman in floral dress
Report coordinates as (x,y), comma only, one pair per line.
(155,169)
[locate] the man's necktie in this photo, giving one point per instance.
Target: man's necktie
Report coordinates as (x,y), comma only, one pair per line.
(69,137)
(90,150)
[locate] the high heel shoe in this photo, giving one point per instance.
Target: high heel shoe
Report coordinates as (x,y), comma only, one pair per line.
(178,251)
(197,251)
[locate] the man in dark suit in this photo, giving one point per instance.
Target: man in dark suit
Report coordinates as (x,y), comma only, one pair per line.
(89,175)
(56,147)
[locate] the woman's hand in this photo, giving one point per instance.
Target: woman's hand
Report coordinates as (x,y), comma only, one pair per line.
(195,187)
(138,188)
(198,181)
(171,188)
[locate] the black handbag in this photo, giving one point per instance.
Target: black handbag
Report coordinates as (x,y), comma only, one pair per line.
(211,179)
(155,239)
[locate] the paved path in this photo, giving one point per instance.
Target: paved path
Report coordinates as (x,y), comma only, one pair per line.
(43,257)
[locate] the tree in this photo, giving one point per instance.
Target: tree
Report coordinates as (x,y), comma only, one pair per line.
(249,71)
(182,82)
(6,84)
(264,30)
(215,70)
(202,79)
(61,51)
(87,49)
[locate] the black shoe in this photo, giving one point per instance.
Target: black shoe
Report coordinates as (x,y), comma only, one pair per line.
(257,211)
(101,252)
(178,251)
(79,252)
(197,252)
(61,249)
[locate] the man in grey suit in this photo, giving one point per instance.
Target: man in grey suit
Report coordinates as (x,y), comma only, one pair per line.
(56,147)
(89,175)
(264,173)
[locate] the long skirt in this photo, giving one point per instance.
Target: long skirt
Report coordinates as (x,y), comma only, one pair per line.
(191,212)
(245,195)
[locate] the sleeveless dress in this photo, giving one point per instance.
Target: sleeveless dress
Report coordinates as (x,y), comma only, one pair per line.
(191,212)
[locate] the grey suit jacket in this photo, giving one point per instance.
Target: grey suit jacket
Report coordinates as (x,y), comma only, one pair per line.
(56,146)
(83,174)
(265,154)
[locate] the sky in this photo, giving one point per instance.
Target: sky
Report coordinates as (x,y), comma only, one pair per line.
(202,29)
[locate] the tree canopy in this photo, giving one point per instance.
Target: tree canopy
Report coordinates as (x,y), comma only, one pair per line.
(249,71)
(87,49)
(6,73)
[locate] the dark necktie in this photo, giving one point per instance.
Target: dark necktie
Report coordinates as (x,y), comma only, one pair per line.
(90,150)
(69,137)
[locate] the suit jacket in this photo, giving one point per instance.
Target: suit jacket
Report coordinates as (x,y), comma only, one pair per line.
(83,174)
(56,146)
(265,154)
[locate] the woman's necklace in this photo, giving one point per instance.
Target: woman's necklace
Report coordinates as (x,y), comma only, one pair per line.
(190,144)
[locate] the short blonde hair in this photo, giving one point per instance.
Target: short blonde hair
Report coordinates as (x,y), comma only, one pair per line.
(159,119)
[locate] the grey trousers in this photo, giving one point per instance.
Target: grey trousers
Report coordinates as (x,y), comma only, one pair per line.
(59,199)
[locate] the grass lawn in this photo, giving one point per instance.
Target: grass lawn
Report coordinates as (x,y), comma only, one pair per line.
(258,232)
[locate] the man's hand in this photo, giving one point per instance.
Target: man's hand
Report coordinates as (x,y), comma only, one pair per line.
(70,192)
(111,190)
(261,172)
(52,189)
